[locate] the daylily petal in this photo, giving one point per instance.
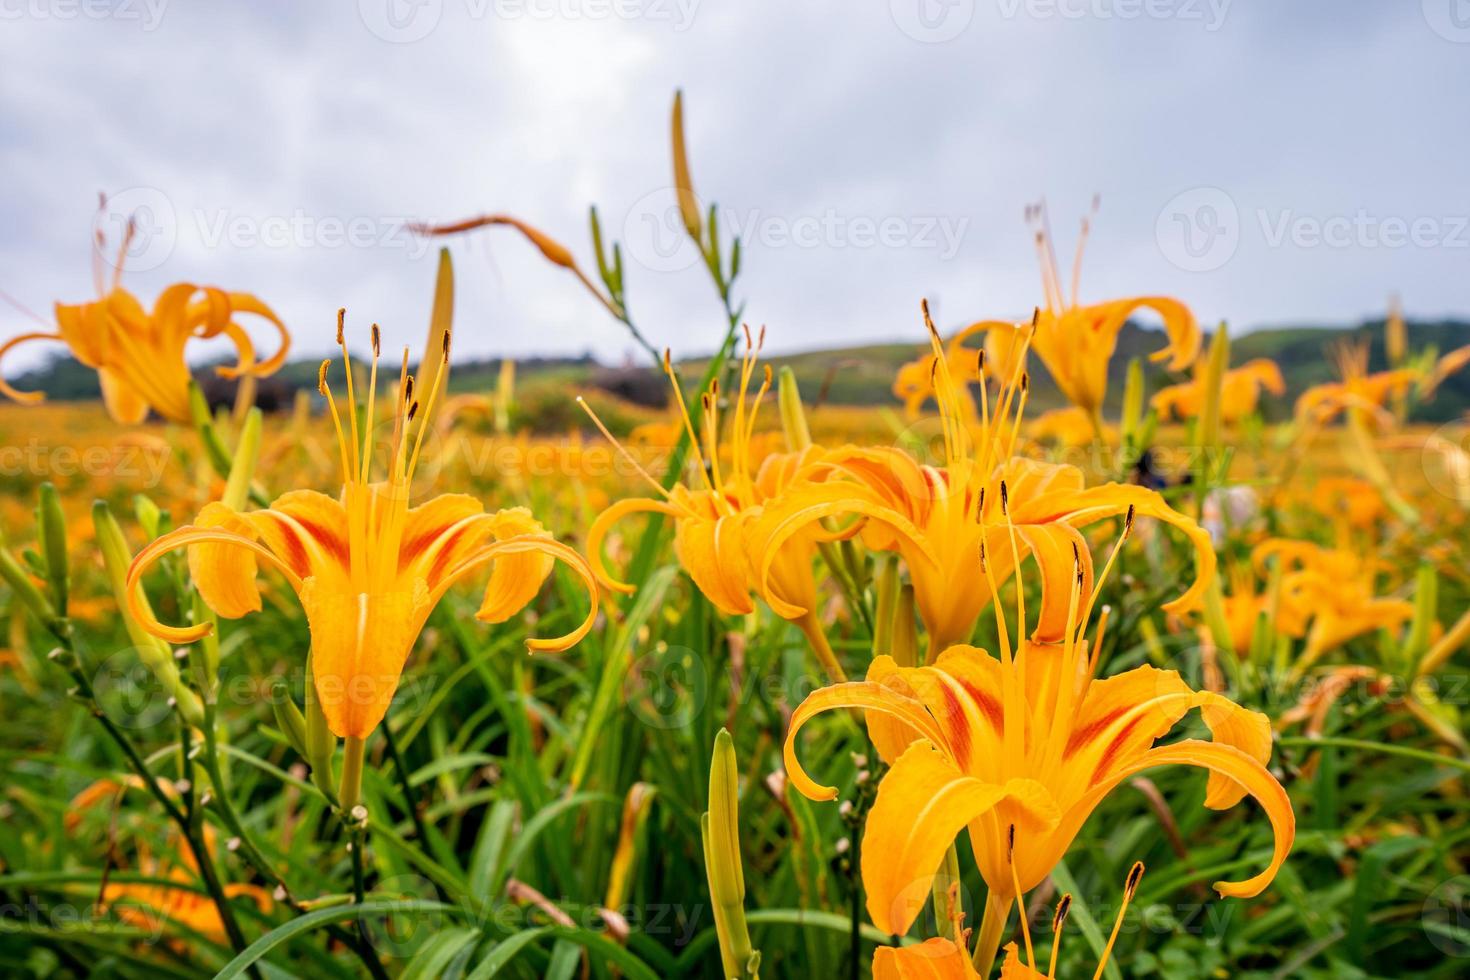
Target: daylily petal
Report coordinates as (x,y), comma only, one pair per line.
(936,959)
(516,577)
(923,803)
(541,545)
(873,697)
(359,644)
(1231,763)
(1083,507)
(181,538)
(605,521)
(24,397)
(123,404)
(713,553)
(1059,550)
(224,577)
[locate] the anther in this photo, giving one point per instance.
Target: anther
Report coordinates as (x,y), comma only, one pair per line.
(1135,874)
(1063,907)
(341,321)
(321,377)
(377,336)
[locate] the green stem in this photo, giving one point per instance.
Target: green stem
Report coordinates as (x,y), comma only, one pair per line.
(1384,747)
(349,791)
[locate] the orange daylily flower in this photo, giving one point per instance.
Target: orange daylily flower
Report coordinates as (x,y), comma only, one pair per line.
(367,567)
(138,354)
(1357,389)
(1355,500)
(1076,342)
(1068,427)
(1240,391)
(746,532)
(1337,587)
(971,498)
(1021,749)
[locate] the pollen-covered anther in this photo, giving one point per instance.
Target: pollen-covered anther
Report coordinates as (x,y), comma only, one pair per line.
(1005,499)
(1135,874)
(377,337)
(341,323)
(1059,918)
(321,377)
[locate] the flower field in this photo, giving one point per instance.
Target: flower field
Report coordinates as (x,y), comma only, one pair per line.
(403,680)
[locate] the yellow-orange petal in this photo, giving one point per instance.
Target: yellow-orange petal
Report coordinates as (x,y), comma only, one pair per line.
(869,696)
(604,522)
(1231,763)
(224,576)
(936,959)
(181,538)
(923,802)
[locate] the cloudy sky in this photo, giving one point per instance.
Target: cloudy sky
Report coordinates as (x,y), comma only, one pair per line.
(1268,162)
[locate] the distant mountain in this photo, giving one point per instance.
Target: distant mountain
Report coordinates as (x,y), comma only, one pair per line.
(864,375)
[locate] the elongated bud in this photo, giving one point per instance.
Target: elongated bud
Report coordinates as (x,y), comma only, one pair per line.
(1426,608)
(1133,395)
(242,470)
(24,587)
(1214,379)
(720,830)
(683,184)
(153,652)
(505,393)
(320,743)
(441,322)
(886,585)
(150,518)
(52,524)
(1395,333)
(905,649)
(793,416)
(289,718)
(214,447)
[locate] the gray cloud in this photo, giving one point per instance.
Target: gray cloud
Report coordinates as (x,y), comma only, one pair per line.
(1268,163)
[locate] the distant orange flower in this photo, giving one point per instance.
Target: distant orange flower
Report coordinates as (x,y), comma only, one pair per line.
(138,354)
(1076,342)
(1240,391)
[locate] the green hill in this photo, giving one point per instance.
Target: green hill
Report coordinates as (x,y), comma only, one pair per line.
(864,375)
